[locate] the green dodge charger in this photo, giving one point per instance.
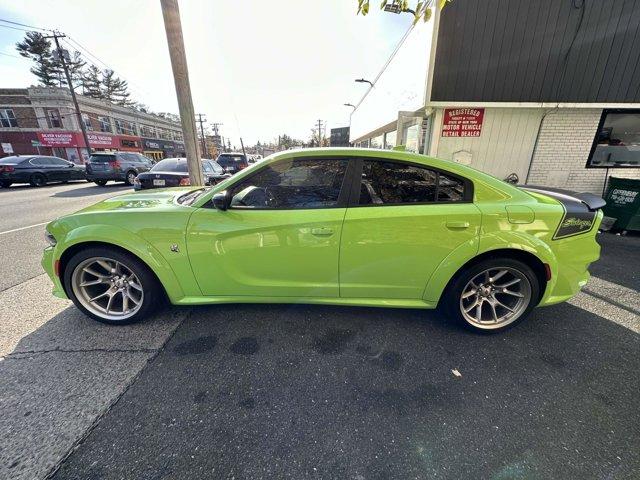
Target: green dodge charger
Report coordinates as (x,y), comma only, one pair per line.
(331,226)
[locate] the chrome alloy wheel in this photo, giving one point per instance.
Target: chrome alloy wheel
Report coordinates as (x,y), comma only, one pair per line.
(107,288)
(495,297)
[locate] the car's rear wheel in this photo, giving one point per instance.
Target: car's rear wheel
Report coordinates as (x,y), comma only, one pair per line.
(492,295)
(111,286)
(100,183)
(5,183)
(37,180)
(131,176)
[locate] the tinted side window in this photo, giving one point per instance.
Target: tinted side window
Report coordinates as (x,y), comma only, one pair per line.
(58,162)
(292,184)
(390,182)
(207,167)
(450,189)
(40,162)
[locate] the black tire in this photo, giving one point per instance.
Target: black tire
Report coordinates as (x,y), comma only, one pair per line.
(154,295)
(38,180)
(452,303)
(131,175)
(5,183)
(100,183)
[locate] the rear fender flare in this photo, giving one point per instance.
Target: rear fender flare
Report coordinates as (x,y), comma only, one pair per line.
(487,243)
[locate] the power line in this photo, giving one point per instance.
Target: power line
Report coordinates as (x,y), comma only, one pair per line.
(15,28)
(25,25)
(13,56)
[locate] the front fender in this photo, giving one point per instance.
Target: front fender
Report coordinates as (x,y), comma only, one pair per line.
(131,242)
(502,240)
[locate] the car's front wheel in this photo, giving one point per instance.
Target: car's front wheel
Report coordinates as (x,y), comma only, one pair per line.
(131,177)
(492,295)
(111,286)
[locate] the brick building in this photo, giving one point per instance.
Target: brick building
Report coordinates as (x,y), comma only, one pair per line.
(546,89)
(42,120)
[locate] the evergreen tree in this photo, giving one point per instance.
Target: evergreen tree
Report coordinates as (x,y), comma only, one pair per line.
(92,82)
(115,89)
(38,49)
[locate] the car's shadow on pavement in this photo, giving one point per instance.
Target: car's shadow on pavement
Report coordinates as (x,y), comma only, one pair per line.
(275,391)
(93,189)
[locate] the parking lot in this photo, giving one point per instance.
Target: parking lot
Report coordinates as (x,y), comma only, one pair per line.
(254,391)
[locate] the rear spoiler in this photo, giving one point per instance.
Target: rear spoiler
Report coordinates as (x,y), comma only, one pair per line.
(591,201)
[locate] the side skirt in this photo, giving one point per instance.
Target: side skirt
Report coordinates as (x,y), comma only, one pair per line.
(355,302)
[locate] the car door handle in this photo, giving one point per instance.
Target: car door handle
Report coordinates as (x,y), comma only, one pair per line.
(322,231)
(457,225)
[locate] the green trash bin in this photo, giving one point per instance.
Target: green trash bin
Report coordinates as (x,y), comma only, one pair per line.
(623,203)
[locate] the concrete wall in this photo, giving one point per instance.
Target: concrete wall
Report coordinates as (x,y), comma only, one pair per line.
(564,143)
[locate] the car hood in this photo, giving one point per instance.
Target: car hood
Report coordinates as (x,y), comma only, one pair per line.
(161,199)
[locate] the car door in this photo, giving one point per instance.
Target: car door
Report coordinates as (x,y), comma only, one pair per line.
(280,236)
(403,220)
(62,170)
(43,165)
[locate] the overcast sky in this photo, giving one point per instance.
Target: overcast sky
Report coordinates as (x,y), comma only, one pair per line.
(262,68)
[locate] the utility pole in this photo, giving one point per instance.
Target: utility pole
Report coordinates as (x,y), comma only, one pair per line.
(56,35)
(204,143)
(242,145)
(173,28)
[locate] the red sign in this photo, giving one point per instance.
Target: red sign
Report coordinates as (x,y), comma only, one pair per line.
(59,139)
(96,140)
(462,122)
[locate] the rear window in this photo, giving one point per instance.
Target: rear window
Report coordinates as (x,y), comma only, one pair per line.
(170,165)
(12,160)
(225,160)
(102,158)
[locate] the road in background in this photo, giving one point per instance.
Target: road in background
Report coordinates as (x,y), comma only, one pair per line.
(25,210)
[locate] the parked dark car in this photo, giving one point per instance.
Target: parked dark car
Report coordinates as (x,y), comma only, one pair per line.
(38,170)
(117,166)
(232,162)
(172,172)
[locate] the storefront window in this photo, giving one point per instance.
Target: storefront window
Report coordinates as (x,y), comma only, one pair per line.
(617,141)
(7,118)
(411,138)
(390,139)
(377,142)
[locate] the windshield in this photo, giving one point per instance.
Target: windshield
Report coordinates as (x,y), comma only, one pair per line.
(170,165)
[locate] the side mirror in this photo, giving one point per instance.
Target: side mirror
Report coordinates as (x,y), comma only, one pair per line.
(221,200)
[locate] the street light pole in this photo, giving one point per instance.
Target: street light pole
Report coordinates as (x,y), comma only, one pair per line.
(63,62)
(173,28)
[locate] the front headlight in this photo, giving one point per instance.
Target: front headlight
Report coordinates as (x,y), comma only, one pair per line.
(51,240)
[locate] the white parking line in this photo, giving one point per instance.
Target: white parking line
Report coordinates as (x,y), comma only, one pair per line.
(24,228)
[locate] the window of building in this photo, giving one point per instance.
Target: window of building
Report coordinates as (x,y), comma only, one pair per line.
(164,134)
(53,118)
(292,184)
(617,141)
(87,121)
(178,136)
(7,118)
(390,139)
(105,124)
(124,142)
(147,131)
(124,127)
(389,183)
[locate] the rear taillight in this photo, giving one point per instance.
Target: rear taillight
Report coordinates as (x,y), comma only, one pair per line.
(7,168)
(185,182)
(115,164)
(242,166)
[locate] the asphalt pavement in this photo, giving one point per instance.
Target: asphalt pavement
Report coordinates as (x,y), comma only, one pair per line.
(24,212)
(277,391)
